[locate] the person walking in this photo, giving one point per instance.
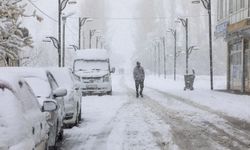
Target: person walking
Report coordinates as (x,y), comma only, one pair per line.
(139,77)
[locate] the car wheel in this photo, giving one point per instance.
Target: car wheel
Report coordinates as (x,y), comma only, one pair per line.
(52,148)
(60,136)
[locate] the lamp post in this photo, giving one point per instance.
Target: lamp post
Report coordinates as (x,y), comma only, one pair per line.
(155,58)
(164,56)
(64,18)
(91,34)
(74,47)
(98,38)
(185,25)
(173,31)
(207,6)
(159,58)
(82,21)
(61,7)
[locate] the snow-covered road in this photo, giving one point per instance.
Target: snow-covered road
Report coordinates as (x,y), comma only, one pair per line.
(156,122)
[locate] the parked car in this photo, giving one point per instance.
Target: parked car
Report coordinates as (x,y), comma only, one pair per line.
(73,100)
(93,66)
(23,126)
(45,88)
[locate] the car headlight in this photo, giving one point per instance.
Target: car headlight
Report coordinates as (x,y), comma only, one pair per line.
(106,78)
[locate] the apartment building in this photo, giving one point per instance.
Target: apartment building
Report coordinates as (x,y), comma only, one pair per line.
(233,24)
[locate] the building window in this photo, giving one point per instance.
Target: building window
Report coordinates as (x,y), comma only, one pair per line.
(231,6)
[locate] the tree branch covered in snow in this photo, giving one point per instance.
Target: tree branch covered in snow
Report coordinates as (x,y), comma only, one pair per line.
(13,37)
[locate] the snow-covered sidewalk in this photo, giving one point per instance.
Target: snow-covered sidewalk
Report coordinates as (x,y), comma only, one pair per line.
(229,104)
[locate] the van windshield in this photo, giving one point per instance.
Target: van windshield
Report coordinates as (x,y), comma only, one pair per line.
(91,65)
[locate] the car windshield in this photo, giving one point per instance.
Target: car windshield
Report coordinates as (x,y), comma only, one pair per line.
(63,79)
(40,86)
(91,65)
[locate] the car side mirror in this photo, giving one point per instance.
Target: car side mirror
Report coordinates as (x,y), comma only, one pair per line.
(113,70)
(49,106)
(59,92)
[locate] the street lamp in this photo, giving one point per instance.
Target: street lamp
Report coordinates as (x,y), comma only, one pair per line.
(191,48)
(64,18)
(173,31)
(82,21)
(164,56)
(155,57)
(157,42)
(207,6)
(74,47)
(185,25)
(61,6)
(91,34)
(98,38)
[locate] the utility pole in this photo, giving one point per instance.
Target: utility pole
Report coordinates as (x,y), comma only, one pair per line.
(210,45)
(207,6)
(185,25)
(175,53)
(61,7)
(82,21)
(63,53)
(155,59)
(159,59)
(91,34)
(186,28)
(173,31)
(164,57)
(64,19)
(59,32)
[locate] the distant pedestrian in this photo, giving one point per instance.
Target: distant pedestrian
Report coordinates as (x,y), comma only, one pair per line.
(139,77)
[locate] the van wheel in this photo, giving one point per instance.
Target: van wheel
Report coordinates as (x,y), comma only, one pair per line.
(109,92)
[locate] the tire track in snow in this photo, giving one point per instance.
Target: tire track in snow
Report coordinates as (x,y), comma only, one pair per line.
(191,136)
(235,127)
(235,122)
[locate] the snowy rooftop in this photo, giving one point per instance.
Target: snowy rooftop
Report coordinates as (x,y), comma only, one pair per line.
(92,54)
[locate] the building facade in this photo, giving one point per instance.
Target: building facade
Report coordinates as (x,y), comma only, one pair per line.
(233,24)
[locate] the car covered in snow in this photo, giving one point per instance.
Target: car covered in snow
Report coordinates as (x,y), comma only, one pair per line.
(93,67)
(23,126)
(73,100)
(45,87)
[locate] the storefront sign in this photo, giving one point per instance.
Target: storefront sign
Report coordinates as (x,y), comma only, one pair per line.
(221,29)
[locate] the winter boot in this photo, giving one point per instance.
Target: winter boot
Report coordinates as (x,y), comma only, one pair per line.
(137,94)
(141,94)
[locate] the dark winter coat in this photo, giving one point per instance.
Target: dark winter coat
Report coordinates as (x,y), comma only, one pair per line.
(139,74)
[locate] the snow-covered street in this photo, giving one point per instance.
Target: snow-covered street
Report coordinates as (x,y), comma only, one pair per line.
(158,121)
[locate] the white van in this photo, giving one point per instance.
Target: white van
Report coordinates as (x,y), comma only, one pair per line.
(93,67)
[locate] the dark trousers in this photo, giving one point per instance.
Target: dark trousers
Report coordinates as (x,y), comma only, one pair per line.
(139,84)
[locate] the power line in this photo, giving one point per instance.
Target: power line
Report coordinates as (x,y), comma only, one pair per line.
(144,18)
(42,11)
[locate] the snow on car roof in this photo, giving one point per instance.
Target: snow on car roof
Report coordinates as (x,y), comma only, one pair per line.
(26,72)
(92,54)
